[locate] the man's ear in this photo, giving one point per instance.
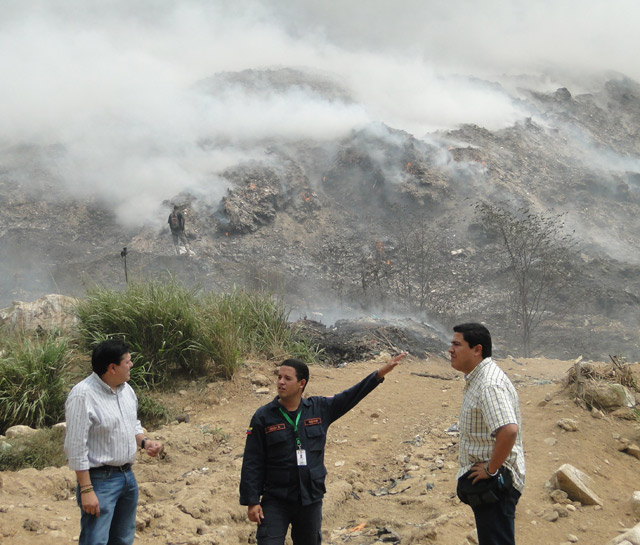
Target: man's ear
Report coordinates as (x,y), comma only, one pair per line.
(477,350)
(303,383)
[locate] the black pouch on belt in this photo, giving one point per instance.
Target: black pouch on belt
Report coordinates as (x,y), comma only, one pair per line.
(485,491)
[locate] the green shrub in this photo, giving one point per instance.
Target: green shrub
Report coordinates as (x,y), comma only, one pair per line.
(34,381)
(161,321)
(42,449)
(151,412)
(223,340)
(257,323)
(218,433)
(174,330)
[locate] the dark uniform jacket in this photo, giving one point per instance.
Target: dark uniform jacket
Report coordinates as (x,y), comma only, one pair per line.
(269,467)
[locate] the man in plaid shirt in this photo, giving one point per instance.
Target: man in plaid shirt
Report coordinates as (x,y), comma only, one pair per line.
(490,433)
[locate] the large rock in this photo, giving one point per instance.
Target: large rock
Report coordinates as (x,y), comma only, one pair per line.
(625,445)
(635,504)
(575,484)
(19,430)
(51,312)
(630,537)
(608,396)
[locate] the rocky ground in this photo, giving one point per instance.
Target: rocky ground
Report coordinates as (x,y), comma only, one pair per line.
(391,461)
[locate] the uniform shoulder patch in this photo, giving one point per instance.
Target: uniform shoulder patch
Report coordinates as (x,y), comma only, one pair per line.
(275,427)
(249,430)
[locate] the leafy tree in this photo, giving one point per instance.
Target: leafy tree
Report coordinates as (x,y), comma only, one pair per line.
(534,250)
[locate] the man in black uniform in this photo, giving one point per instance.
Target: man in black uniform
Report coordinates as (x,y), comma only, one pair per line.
(283,473)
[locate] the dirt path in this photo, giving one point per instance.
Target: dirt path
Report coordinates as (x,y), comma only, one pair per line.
(391,462)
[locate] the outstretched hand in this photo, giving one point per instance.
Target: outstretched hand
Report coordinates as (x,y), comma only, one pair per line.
(390,365)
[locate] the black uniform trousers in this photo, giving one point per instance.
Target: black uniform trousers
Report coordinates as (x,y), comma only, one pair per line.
(305,521)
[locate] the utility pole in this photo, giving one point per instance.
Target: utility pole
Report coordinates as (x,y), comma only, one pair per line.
(123,255)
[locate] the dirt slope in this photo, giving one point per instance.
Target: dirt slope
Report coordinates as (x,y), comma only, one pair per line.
(391,464)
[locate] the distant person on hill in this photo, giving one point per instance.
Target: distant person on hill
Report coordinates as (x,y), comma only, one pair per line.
(283,472)
(491,457)
(103,435)
(176,224)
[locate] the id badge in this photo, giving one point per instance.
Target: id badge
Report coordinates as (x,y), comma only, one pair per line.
(301,456)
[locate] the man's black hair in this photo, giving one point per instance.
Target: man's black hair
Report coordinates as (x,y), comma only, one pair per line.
(475,334)
(109,351)
(301,368)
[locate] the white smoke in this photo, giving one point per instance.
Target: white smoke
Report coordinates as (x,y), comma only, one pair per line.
(115,83)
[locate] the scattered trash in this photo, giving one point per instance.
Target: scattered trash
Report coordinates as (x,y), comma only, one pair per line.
(387,535)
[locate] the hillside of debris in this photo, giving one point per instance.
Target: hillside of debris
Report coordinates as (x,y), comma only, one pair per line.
(324,224)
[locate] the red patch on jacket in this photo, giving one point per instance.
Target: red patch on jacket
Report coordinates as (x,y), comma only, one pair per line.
(275,427)
(313,421)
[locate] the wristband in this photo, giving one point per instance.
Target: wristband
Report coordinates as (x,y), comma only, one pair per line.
(486,470)
(85,490)
(143,443)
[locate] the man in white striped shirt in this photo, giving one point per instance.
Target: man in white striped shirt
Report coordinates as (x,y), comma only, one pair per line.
(490,450)
(103,435)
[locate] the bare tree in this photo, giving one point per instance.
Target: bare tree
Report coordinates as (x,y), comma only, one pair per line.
(535,252)
(374,274)
(420,262)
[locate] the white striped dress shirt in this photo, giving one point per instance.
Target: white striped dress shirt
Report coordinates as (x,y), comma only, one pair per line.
(102,424)
(489,402)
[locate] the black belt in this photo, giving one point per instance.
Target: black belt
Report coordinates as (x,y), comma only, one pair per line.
(123,467)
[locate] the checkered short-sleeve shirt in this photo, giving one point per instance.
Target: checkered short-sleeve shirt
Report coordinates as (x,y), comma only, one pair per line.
(489,402)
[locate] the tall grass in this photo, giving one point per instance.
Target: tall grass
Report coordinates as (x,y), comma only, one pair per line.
(161,321)
(33,381)
(259,324)
(151,412)
(175,330)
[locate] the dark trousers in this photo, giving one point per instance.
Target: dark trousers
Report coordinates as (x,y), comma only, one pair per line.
(496,522)
(305,522)
(179,237)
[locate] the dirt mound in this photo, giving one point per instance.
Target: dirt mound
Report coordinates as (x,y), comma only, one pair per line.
(365,338)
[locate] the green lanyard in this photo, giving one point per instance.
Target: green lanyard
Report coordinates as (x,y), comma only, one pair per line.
(294,426)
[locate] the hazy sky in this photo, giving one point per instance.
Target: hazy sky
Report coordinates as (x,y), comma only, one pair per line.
(113,81)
